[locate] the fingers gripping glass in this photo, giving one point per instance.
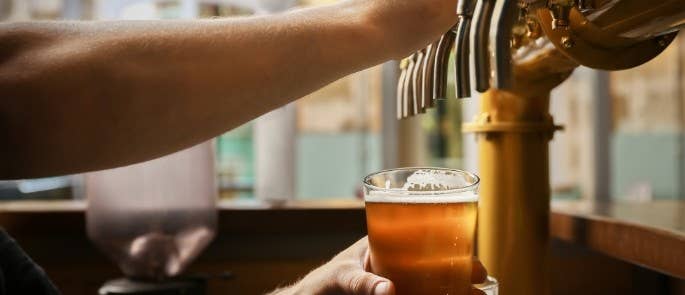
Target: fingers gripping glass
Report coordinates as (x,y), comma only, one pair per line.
(421,225)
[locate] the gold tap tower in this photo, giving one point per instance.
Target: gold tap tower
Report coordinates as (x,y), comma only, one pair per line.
(514,126)
(515,52)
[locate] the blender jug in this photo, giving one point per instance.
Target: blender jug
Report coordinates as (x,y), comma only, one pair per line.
(153,219)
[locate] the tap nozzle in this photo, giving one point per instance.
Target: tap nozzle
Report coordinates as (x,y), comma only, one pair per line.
(428,78)
(480,34)
(400,87)
(441,64)
(408,95)
(461,58)
(504,16)
(417,83)
(465,10)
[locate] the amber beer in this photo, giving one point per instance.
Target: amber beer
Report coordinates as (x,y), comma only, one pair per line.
(423,241)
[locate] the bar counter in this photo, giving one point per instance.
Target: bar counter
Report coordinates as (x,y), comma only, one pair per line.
(268,246)
(649,234)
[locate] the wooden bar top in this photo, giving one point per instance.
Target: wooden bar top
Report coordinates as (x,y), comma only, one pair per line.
(649,234)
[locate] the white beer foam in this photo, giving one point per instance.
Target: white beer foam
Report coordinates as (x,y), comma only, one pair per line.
(403,197)
(427,187)
(435,180)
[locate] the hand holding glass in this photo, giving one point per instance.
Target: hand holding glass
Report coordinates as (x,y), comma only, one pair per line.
(421,225)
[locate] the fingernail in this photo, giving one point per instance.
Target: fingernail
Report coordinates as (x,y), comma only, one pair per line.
(382,288)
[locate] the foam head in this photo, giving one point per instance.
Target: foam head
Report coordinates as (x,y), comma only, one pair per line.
(422,186)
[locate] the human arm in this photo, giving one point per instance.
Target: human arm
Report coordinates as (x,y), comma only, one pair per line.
(82,96)
(346,274)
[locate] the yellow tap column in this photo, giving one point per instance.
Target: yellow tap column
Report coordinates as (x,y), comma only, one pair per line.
(513,134)
(514,128)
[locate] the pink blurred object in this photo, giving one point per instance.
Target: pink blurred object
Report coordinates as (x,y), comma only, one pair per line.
(153,219)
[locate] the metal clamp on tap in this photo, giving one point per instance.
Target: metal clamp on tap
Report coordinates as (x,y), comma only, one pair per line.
(561,13)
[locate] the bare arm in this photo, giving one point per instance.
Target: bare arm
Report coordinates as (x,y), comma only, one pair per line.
(91,95)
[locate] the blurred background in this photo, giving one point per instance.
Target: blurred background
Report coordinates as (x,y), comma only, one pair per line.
(623,134)
(623,140)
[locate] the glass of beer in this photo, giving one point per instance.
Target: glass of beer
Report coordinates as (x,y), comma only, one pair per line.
(421,225)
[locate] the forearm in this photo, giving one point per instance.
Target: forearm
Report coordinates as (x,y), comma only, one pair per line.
(92,95)
(87,96)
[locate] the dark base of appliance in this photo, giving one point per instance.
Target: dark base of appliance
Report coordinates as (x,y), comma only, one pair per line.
(179,286)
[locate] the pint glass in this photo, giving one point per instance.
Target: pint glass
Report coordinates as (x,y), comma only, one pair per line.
(421,225)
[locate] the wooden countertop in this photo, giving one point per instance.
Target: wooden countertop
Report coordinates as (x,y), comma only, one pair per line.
(649,234)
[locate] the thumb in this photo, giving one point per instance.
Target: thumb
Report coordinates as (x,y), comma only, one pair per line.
(360,282)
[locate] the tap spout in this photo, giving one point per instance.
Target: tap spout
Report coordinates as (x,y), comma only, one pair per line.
(441,64)
(417,82)
(428,78)
(480,57)
(504,16)
(462,42)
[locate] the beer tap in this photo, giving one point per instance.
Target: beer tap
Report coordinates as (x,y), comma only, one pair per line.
(428,76)
(408,93)
(479,44)
(400,88)
(418,83)
(440,64)
(462,44)
(486,48)
(504,15)
(423,77)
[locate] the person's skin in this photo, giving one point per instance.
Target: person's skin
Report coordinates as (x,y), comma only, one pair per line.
(83,96)
(347,273)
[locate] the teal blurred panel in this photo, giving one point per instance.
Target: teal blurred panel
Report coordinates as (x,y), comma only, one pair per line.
(235,157)
(333,165)
(646,164)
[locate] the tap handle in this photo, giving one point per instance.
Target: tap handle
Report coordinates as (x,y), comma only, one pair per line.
(461,58)
(465,9)
(428,78)
(480,60)
(408,99)
(504,16)
(417,82)
(400,87)
(441,64)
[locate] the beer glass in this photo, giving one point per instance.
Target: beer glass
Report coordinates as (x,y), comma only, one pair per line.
(421,225)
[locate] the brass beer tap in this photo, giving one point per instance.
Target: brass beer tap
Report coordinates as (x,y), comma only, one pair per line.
(491,34)
(515,52)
